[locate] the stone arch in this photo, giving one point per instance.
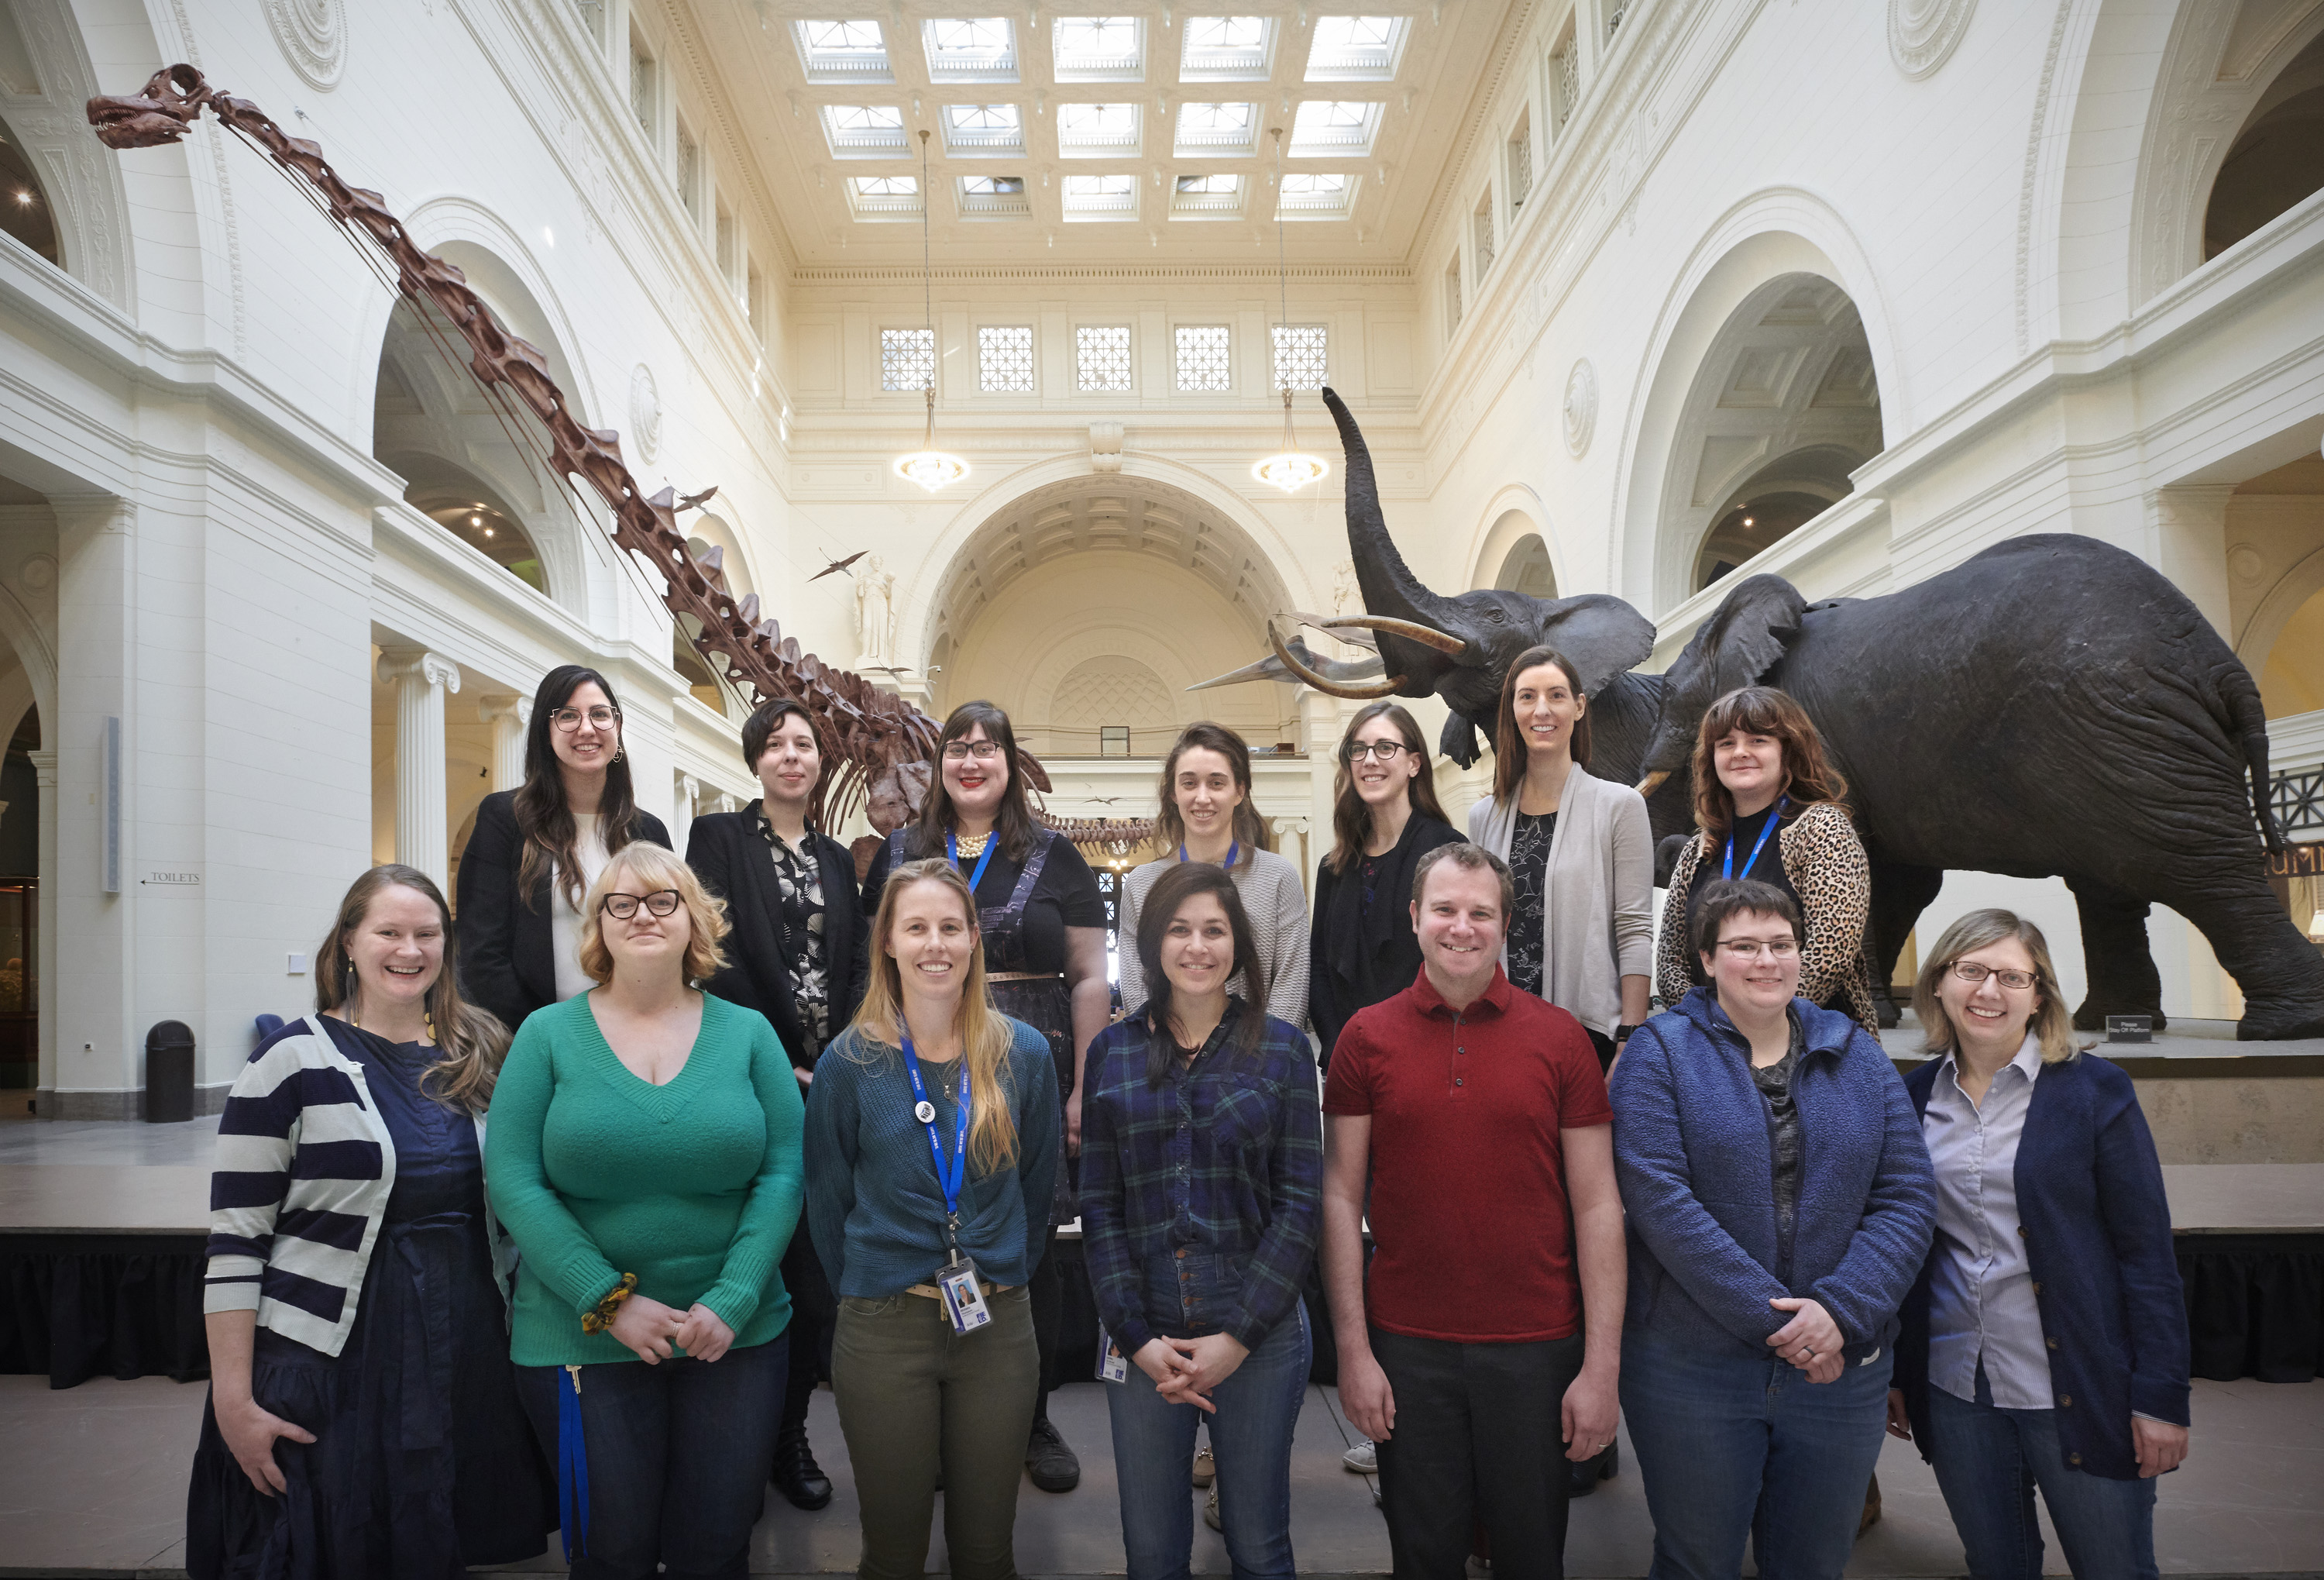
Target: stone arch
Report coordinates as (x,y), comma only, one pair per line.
(1111,689)
(709,530)
(47,79)
(2291,596)
(1738,267)
(1510,518)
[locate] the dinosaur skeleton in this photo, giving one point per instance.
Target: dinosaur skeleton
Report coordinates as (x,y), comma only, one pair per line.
(866,732)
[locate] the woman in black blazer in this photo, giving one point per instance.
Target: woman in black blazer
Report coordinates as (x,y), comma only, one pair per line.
(797,916)
(535,850)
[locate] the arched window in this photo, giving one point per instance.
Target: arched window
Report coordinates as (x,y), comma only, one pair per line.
(2277,159)
(472,513)
(25,213)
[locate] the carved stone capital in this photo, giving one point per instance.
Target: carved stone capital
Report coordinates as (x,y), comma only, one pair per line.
(434,669)
(493,710)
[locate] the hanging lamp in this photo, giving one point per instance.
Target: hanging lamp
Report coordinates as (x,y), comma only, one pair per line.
(929,467)
(1289,468)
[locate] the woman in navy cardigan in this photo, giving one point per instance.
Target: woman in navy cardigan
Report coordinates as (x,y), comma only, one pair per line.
(2045,1342)
(1779,1206)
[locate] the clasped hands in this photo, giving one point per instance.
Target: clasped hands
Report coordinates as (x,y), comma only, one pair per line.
(1810,1341)
(648,1328)
(1185,1370)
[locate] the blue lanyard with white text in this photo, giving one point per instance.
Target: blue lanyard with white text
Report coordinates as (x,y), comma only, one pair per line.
(1234,849)
(952,850)
(1727,869)
(948,1180)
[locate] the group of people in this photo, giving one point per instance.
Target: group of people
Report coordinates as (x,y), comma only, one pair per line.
(753,1124)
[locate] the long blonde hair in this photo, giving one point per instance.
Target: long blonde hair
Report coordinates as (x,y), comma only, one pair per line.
(2052,1024)
(984,1034)
(470,1040)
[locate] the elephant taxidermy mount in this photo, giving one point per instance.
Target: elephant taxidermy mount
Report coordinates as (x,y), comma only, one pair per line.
(2052,706)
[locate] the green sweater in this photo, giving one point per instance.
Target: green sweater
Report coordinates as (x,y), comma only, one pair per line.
(694,1186)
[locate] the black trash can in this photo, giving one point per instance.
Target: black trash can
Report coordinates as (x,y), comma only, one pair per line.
(170,1073)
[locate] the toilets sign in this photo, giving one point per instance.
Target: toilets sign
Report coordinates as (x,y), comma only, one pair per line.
(173,878)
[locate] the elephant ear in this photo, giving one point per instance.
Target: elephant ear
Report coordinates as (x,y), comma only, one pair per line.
(1748,633)
(1600,634)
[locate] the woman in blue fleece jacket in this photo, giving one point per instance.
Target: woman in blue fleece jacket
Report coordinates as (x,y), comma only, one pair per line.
(1780,1205)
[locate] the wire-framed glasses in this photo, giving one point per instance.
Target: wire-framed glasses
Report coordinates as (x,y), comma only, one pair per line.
(1969,971)
(600,717)
(1760,948)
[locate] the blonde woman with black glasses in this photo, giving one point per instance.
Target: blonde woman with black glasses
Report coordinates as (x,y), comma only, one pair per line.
(645,1154)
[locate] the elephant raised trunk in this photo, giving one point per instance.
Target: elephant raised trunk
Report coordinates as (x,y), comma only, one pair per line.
(1390,587)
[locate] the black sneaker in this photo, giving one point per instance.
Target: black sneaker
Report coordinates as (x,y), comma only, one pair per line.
(1053,1465)
(797,1476)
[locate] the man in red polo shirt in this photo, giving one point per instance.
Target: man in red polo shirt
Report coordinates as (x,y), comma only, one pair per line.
(1484,1350)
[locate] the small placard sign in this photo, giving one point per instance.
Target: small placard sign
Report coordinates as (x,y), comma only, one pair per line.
(2130,1028)
(174,878)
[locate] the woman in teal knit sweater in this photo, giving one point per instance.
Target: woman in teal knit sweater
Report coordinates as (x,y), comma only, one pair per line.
(932,1097)
(644,1152)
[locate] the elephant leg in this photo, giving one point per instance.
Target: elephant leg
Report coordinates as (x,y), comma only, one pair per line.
(1900,892)
(2279,969)
(2115,956)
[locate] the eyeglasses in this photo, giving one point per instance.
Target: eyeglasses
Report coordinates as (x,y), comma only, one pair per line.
(601,717)
(1386,751)
(621,907)
(1758,948)
(962,750)
(1972,972)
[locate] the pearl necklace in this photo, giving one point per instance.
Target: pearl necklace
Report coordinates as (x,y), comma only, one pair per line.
(972,843)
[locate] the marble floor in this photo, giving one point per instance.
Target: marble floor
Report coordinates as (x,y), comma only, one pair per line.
(92,1481)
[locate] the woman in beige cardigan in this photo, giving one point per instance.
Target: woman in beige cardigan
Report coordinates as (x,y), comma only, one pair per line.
(1579,850)
(1769,805)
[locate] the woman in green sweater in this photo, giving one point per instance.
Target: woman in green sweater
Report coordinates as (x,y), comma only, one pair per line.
(933,1129)
(644,1152)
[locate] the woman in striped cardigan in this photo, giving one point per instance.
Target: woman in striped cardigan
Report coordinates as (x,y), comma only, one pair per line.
(363,1418)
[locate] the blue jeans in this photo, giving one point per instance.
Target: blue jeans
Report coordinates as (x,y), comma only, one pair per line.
(1730,1446)
(678,1454)
(1988,1461)
(1250,1439)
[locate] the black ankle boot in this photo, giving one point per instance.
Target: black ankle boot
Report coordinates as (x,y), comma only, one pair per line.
(1582,1475)
(797,1475)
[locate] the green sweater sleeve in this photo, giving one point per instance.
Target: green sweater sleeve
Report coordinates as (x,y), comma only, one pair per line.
(557,1250)
(763,1233)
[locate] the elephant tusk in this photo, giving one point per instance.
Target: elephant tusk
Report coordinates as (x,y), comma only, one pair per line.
(1329,688)
(1411,631)
(1653,781)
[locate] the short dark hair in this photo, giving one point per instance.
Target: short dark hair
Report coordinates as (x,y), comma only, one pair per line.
(1727,897)
(1471,858)
(760,728)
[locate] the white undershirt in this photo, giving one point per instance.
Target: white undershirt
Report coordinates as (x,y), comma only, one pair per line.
(564,920)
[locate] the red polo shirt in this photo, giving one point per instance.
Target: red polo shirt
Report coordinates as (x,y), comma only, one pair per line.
(1469,1212)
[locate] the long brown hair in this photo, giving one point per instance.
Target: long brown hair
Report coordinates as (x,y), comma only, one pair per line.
(2052,1024)
(1170,824)
(1509,742)
(1012,821)
(471,1041)
(1760,710)
(1351,819)
(984,1034)
(1172,890)
(542,816)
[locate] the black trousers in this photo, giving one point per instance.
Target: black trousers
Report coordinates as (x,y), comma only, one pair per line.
(813,1313)
(1476,1441)
(1045,1289)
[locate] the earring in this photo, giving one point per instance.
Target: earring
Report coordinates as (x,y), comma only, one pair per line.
(354,1019)
(617,754)
(431,1022)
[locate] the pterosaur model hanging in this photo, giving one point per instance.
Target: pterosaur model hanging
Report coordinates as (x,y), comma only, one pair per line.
(865,732)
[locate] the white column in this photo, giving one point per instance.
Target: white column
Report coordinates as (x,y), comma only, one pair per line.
(421,678)
(2188,538)
(681,822)
(44,775)
(510,717)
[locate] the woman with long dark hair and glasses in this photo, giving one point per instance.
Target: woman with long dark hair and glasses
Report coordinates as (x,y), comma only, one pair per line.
(536,850)
(1202,1181)
(1385,817)
(1043,923)
(362,1417)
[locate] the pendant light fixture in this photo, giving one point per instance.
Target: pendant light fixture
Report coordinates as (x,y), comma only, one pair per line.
(929,467)
(1289,468)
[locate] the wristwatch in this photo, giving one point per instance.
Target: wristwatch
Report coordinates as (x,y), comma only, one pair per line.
(1624,1033)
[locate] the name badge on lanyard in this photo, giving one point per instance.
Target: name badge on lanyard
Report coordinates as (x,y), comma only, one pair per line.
(964,1302)
(1726,868)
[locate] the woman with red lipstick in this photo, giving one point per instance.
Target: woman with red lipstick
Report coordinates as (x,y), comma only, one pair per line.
(1043,923)
(1771,809)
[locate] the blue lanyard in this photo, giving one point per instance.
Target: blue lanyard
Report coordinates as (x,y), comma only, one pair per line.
(1727,869)
(1234,849)
(950,1178)
(952,850)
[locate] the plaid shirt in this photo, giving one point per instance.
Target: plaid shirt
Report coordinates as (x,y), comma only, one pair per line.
(1224,1158)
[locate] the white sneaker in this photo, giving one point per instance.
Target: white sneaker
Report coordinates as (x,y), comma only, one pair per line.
(1363,1458)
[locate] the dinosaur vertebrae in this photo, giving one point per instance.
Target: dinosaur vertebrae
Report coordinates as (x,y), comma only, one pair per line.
(864,730)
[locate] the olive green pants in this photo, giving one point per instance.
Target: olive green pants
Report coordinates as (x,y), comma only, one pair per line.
(913,1395)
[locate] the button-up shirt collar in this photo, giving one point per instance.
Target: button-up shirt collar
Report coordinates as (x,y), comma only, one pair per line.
(1982,1308)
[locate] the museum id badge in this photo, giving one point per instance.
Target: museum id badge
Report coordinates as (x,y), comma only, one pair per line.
(1112,1365)
(964,1302)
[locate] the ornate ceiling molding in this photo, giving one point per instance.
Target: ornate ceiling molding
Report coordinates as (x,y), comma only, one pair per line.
(1922,33)
(313,37)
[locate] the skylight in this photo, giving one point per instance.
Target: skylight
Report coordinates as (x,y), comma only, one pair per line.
(884,197)
(991,186)
(843,51)
(983,129)
(1304,196)
(1211,130)
(1114,197)
(1227,48)
(1097,131)
(1332,128)
(970,48)
(1357,49)
(1100,48)
(886,185)
(864,131)
(994,197)
(1226,184)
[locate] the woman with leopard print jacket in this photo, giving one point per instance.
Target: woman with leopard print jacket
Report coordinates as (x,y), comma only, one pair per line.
(1770,807)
